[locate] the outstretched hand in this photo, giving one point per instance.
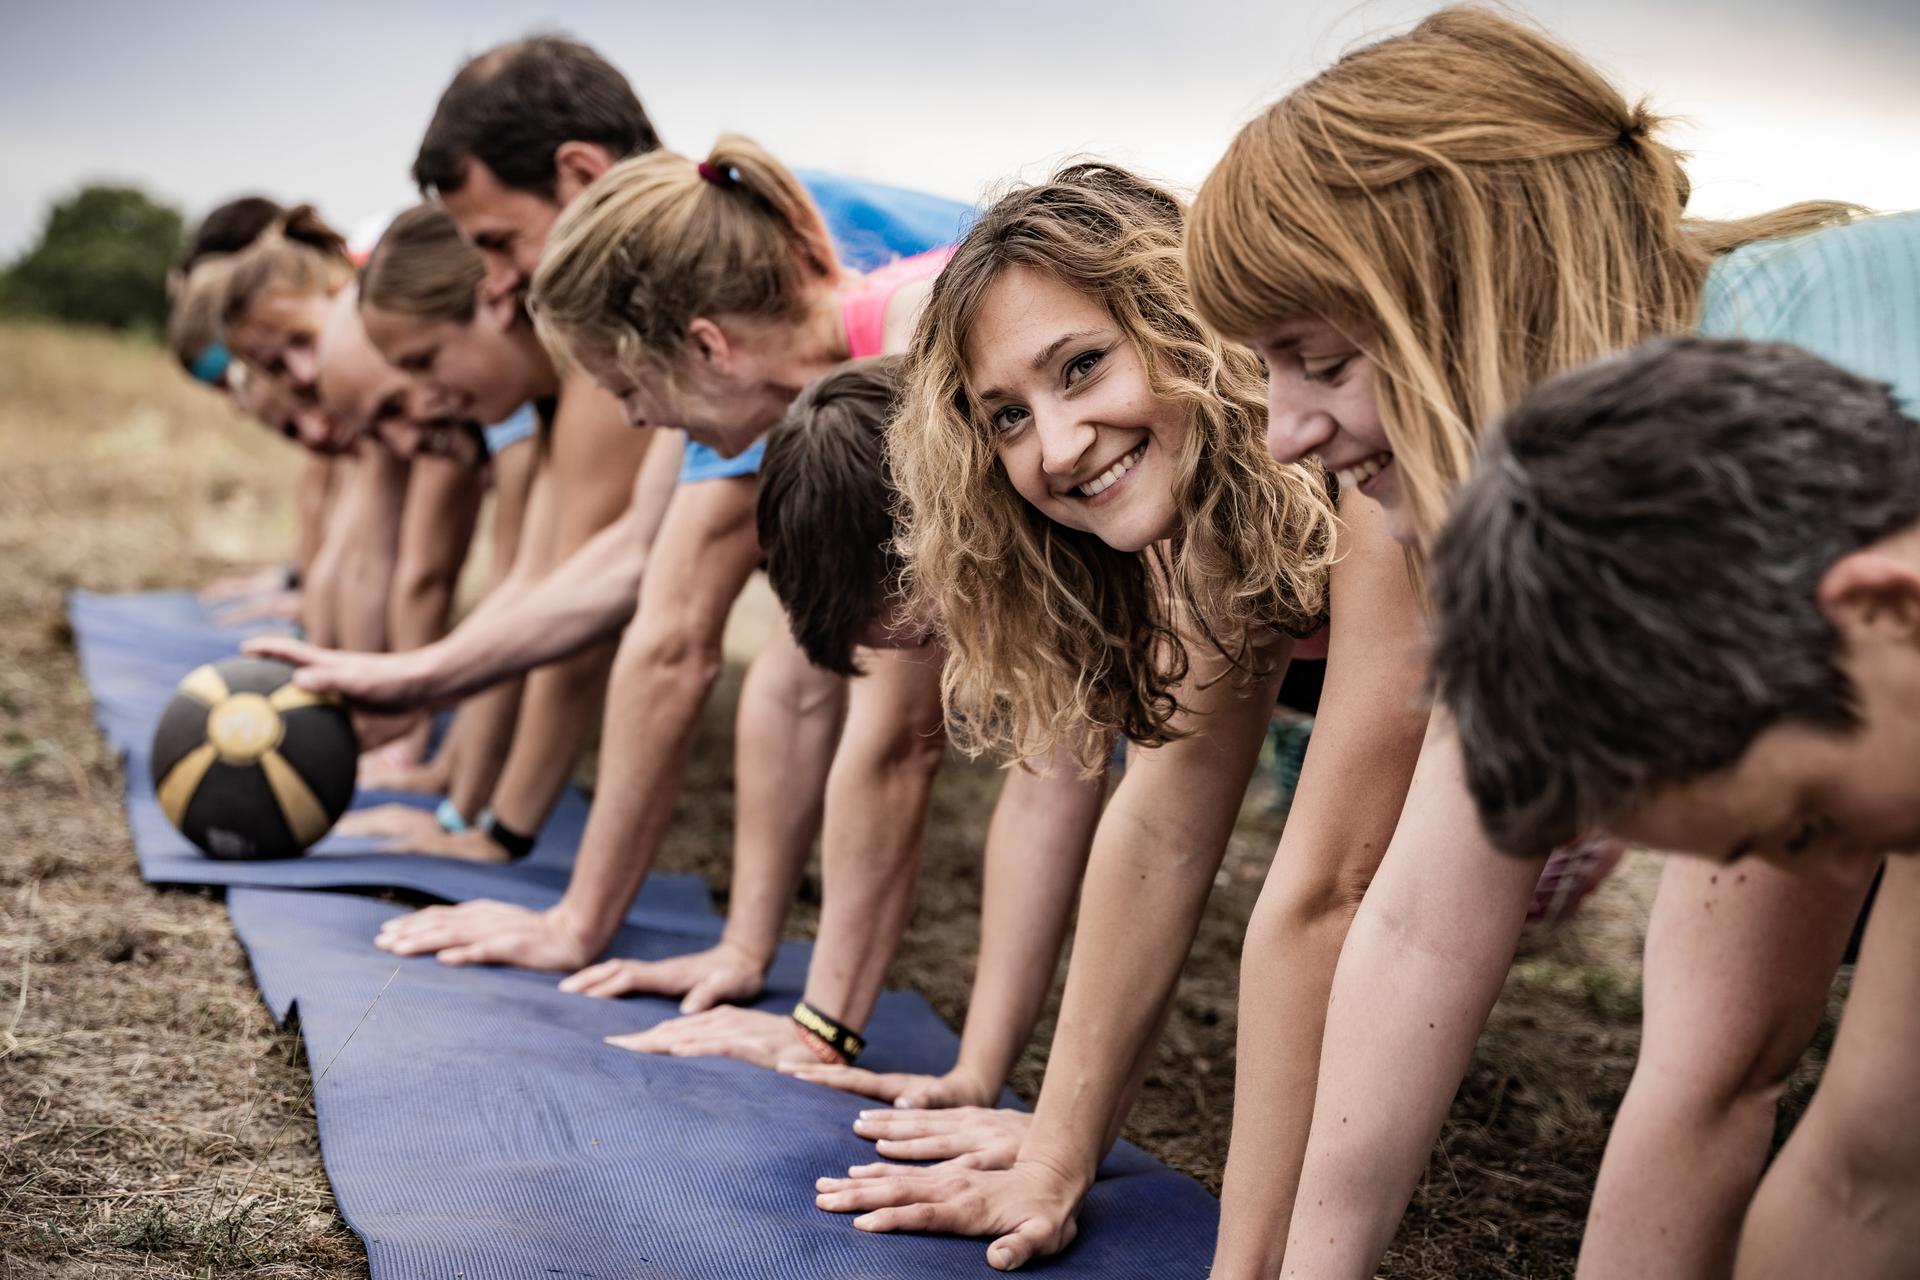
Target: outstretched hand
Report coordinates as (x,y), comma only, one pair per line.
(722,974)
(384,691)
(957,1088)
(1030,1209)
(764,1039)
(488,932)
(405,829)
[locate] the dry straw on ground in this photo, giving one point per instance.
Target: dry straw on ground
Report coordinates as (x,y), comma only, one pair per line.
(153,1121)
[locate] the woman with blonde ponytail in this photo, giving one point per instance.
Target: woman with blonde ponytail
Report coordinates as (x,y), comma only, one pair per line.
(1413,239)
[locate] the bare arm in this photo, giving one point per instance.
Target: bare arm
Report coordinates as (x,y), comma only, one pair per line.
(366,570)
(595,460)
(1421,968)
(1366,738)
(530,621)
(436,528)
(876,819)
(666,664)
(314,496)
(1154,858)
(1037,845)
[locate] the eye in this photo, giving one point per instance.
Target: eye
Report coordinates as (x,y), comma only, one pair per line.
(1328,372)
(1009,419)
(1082,365)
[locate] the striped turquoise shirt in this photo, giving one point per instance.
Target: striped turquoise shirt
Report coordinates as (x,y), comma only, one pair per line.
(1849,294)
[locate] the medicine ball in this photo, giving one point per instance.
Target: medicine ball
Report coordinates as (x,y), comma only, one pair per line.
(250,765)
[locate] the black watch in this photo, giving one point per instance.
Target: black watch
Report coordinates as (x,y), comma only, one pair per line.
(518,844)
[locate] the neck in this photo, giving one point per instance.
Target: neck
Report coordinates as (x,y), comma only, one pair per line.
(543,380)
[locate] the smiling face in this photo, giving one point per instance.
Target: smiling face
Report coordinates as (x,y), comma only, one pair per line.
(280,336)
(509,227)
(479,371)
(1322,403)
(1078,429)
(720,399)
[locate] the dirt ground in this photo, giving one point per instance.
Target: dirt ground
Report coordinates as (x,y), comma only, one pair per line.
(154,1122)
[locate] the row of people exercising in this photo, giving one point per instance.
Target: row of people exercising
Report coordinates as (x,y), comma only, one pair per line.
(1095,543)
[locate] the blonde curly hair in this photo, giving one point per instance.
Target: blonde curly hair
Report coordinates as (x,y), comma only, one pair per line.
(1056,639)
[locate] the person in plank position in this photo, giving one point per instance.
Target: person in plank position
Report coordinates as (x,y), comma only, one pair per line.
(1706,556)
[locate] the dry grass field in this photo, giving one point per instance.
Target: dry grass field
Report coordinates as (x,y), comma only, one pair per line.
(154,1122)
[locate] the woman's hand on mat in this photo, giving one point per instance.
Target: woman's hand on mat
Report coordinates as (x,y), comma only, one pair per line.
(765,1039)
(487,932)
(378,772)
(722,974)
(964,1137)
(958,1088)
(1030,1208)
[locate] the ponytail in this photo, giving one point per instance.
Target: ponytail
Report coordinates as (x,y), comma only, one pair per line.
(298,251)
(661,239)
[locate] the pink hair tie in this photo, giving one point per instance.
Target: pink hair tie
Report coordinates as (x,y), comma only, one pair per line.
(713,175)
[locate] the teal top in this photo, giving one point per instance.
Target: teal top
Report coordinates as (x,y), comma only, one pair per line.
(1849,294)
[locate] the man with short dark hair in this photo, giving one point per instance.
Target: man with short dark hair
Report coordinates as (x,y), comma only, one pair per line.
(1680,598)
(521,131)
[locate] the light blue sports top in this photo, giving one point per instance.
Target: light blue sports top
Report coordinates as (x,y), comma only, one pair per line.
(1849,294)
(871,226)
(511,430)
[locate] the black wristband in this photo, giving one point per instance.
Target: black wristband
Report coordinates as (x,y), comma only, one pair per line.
(293,577)
(842,1040)
(517,844)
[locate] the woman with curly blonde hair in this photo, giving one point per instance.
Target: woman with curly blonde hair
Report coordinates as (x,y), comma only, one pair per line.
(1412,240)
(1088,511)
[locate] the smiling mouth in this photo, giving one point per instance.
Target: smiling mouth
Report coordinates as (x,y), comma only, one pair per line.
(1362,471)
(1105,480)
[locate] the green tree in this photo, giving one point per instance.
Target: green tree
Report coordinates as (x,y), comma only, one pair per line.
(102,259)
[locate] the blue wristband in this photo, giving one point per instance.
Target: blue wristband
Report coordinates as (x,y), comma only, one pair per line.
(451,820)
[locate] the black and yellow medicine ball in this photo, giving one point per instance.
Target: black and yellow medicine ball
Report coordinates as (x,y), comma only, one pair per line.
(250,765)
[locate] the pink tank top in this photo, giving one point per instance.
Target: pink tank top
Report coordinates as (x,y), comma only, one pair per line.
(865,307)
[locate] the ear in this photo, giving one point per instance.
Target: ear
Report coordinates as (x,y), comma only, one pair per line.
(575,166)
(708,342)
(1872,594)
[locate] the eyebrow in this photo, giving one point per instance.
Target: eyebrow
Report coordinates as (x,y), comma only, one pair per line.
(1045,357)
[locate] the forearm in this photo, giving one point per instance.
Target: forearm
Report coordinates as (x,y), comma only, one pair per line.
(784,737)
(1286,974)
(436,528)
(316,487)
(652,706)
(1416,979)
(486,725)
(876,818)
(1036,853)
(366,570)
(556,715)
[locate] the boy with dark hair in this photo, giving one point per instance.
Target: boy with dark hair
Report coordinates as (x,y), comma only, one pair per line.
(825,515)
(1680,598)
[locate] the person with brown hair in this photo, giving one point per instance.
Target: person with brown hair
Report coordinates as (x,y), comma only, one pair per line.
(1742,636)
(1110,552)
(1413,239)
(739,292)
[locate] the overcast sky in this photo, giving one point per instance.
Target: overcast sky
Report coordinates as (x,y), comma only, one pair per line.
(1785,99)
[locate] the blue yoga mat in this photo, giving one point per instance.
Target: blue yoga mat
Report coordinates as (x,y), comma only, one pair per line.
(474,1125)
(133,651)
(872,223)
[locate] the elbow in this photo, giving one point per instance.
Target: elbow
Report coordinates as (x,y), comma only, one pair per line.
(682,657)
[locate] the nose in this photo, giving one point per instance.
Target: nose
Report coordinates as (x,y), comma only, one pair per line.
(1293,434)
(503,277)
(303,369)
(427,401)
(1063,443)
